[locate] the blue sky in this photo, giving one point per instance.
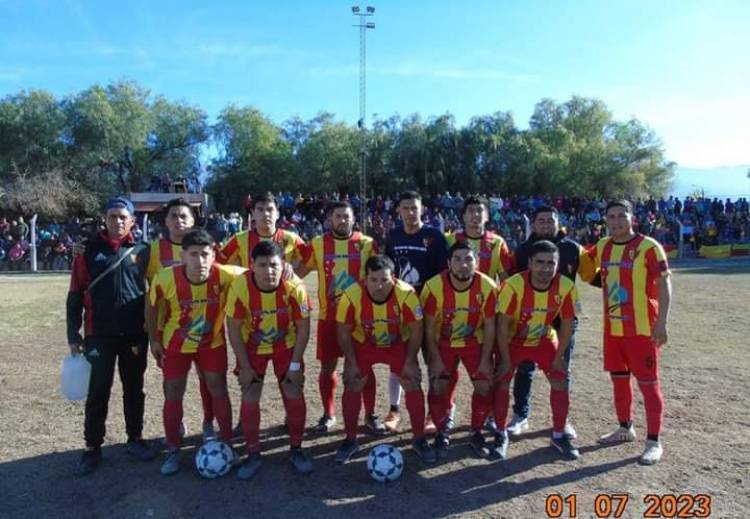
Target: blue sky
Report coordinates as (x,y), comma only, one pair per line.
(680,66)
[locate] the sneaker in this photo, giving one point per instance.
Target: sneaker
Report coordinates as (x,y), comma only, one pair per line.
(490,425)
(429,425)
(346,450)
(171,464)
(141,450)
(424,450)
(392,420)
(619,435)
(209,433)
(652,453)
(564,447)
(478,444)
(499,448)
(569,432)
(90,460)
(250,466)
(441,444)
(450,420)
(236,461)
(300,461)
(518,425)
(325,424)
(375,425)
(237,431)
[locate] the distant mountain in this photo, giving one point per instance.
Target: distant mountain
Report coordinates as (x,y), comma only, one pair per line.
(730,181)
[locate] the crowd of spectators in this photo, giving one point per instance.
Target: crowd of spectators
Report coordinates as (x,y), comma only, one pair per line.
(704,221)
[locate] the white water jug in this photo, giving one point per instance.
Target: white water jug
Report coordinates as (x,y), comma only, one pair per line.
(76,372)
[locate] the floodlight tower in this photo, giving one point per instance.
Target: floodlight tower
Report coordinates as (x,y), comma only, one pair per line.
(361,123)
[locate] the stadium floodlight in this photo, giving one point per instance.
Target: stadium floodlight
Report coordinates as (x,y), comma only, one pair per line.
(370,9)
(370,25)
(355,9)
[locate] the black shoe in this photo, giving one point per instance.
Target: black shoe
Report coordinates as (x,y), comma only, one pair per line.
(90,460)
(499,447)
(565,448)
(478,445)
(490,426)
(441,444)
(424,450)
(346,450)
(250,466)
(141,450)
(300,461)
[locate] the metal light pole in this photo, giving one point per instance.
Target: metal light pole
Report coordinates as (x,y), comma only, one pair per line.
(363,26)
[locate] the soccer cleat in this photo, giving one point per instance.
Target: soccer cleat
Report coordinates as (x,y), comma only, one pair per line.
(429,425)
(90,460)
(250,466)
(424,450)
(441,444)
(478,444)
(564,447)
(300,461)
(171,464)
(652,453)
(325,424)
(619,435)
(346,450)
(499,448)
(141,450)
(570,432)
(518,425)
(209,433)
(392,419)
(375,425)
(490,425)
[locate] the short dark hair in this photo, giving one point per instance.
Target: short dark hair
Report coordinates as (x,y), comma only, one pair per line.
(379,262)
(266,249)
(197,237)
(545,209)
(179,202)
(475,200)
(338,204)
(621,202)
(409,195)
(265,198)
(543,247)
(459,245)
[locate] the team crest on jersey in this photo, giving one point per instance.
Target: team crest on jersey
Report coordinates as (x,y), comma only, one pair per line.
(558,299)
(357,246)
(632,253)
(427,242)
(480,298)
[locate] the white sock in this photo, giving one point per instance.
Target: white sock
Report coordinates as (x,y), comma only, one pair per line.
(394,389)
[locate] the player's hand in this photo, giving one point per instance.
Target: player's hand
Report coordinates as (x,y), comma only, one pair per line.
(288,272)
(157,350)
(76,348)
(659,335)
(78,248)
(411,371)
(247,377)
(559,364)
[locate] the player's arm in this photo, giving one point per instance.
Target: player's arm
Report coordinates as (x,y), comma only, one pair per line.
(485,364)
(247,375)
(155,299)
(564,334)
(294,374)
(79,280)
(664,286)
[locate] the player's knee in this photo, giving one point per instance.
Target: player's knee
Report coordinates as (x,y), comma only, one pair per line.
(328,368)
(291,391)
(252,393)
(481,386)
(174,388)
(409,385)
(216,384)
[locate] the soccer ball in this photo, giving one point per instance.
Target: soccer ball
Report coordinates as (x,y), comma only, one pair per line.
(214,459)
(385,463)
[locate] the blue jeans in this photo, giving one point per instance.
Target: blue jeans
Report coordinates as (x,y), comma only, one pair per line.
(524,376)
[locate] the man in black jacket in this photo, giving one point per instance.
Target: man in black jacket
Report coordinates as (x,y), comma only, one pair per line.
(545,226)
(108,287)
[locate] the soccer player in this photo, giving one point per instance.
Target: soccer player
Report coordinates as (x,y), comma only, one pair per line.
(460,305)
(495,260)
(636,293)
(192,296)
(269,320)
(379,321)
(529,305)
(108,286)
(339,256)
(419,253)
(546,226)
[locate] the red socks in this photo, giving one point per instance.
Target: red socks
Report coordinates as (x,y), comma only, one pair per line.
(250,419)
(327,386)
(502,401)
(296,412)
(351,402)
(172,417)
(480,407)
(559,401)
(623,396)
(654,404)
(368,395)
(438,409)
(207,400)
(415,406)
(223,409)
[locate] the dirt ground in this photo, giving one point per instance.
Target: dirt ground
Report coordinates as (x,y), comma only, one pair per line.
(706,430)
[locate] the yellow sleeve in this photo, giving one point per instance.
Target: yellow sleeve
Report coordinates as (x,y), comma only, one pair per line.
(156,290)
(153,261)
(507,300)
(587,263)
(344,308)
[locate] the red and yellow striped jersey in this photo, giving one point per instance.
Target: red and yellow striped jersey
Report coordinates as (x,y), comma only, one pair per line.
(494,255)
(460,315)
(239,247)
(379,324)
(340,263)
(268,317)
(192,315)
(533,311)
(629,273)
(162,254)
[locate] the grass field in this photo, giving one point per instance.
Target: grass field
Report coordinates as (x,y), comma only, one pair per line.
(706,430)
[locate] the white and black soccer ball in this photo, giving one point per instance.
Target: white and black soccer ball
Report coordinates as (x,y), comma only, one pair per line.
(214,459)
(385,463)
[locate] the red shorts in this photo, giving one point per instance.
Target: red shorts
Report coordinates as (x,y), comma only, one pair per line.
(542,355)
(469,356)
(367,356)
(637,354)
(281,360)
(176,364)
(328,349)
